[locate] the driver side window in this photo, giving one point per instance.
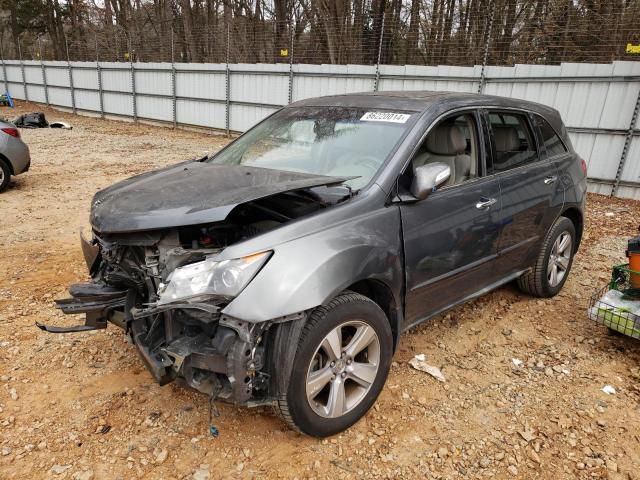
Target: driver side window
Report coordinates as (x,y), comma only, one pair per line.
(454,142)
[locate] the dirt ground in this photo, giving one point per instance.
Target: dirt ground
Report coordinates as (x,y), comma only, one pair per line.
(82,406)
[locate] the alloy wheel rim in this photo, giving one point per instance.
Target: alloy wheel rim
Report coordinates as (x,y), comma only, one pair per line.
(559,259)
(343,369)
(1,176)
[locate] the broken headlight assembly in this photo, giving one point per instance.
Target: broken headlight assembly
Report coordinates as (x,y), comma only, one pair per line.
(224,278)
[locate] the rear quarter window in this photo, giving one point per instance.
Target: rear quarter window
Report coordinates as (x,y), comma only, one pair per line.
(551,143)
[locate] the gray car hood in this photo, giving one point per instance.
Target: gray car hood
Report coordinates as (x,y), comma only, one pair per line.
(190,193)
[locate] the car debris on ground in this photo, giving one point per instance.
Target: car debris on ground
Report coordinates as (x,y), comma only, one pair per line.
(38,120)
(419,363)
(609,390)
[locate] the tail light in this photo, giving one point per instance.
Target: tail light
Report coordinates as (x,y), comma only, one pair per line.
(583,166)
(14,132)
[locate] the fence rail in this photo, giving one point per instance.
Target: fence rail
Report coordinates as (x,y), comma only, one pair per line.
(600,103)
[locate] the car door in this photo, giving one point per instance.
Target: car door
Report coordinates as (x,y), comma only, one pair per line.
(451,237)
(532,195)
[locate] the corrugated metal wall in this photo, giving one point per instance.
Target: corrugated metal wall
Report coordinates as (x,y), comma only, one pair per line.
(597,101)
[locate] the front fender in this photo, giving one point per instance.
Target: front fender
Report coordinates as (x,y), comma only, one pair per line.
(308,271)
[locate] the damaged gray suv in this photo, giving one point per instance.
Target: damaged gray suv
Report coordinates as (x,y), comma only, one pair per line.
(283,269)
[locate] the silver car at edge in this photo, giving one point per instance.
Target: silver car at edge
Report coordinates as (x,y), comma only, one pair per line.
(14,154)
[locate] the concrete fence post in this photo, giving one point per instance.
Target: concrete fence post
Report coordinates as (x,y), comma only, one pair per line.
(376,84)
(44,73)
(99,72)
(487,42)
(70,73)
(24,80)
(626,147)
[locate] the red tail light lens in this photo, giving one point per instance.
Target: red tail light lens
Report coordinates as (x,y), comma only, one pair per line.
(583,166)
(14,132)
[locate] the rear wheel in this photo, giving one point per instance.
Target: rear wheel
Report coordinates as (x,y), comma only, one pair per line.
(553,265)
(5,175)
(339,367)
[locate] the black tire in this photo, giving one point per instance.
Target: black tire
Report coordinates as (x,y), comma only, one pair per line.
(536,282)
(6,176)
(292,403)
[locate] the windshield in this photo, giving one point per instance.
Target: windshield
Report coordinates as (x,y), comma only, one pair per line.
(334,141)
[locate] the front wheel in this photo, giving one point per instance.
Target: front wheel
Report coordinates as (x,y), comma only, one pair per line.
(339,367)
(553,265)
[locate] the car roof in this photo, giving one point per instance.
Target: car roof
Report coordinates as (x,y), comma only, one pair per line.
(422,100)
(419,101)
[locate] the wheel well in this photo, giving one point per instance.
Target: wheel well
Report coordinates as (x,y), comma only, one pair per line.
(6,160)
(575,216)
(382,295)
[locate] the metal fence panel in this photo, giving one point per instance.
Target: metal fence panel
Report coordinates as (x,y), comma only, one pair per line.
(13,73)
(260,83)
(449,78)
(118,104)
(116,77)
(204,114)
(60,96)
(631,172)
(33,72)
(153,78)
(317,80)
(244,116)
(57,74)
(603,155)
(88,101)
(155,108)
(85,75)
(206,81)
(14,78)
(36,93)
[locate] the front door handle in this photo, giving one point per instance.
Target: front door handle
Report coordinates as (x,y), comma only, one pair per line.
(484,203)
(550,179)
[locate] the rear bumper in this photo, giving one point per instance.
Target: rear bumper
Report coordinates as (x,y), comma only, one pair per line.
(17,152)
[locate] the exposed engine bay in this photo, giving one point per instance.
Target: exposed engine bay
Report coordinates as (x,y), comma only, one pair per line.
(187,336)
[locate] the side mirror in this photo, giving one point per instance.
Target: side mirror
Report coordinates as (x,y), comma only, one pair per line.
(427,177)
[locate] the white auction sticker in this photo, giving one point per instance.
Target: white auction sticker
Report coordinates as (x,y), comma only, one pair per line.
(385,117)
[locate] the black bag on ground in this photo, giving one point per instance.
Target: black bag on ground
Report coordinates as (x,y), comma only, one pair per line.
(31,120)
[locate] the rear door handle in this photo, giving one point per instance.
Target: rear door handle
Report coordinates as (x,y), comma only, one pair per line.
(484,203)
(550,179)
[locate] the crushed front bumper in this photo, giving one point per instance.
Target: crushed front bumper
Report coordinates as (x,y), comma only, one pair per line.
(219,356)
(215,354)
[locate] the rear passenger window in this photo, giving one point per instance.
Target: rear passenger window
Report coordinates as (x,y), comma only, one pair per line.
(513,141)
(552,144)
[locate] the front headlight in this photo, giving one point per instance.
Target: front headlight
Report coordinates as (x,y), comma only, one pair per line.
(226,278)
